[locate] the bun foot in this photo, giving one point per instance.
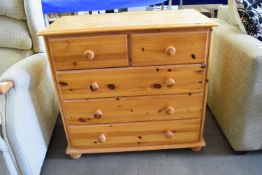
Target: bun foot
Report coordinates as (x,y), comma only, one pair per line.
(196,149)
(75,156)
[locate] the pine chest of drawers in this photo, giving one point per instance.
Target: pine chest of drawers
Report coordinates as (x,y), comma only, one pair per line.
(131,81)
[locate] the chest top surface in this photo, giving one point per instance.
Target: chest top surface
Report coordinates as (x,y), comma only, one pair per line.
(128,21)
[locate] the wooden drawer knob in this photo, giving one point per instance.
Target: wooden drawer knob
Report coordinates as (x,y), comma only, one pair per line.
(170,82)
(170,51)
(102,138)
(169,134)
(170,110)
(98,114)
(94,86)
(89,54)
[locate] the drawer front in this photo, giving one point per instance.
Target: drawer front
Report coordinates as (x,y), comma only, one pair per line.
(88,51)
(169,48)
(131,81)
(135,134)
(133,109)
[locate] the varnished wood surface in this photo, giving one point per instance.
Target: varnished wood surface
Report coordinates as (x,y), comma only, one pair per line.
(151,48)
(131,81)
(109,51)
(57,91)
(128,21)
(5,86)
(156,100)
(135,134)
(209,50)
(133,109)
(71,150)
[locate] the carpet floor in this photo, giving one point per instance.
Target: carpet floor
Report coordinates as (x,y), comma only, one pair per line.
(216,158)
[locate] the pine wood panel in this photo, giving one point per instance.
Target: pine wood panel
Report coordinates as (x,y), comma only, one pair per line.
(133,109)
(134,134)
(131,81)
(130,21)
(71,150)
(108,51)
(152,48)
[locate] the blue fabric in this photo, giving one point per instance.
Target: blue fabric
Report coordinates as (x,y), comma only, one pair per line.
(193,2)
(63,6)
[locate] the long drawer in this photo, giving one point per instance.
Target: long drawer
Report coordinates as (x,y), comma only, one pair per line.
(184,47)
(135,134)
(131,81)
(81,52)
(133,109)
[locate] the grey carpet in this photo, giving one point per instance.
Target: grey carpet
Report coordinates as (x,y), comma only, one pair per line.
(216,159)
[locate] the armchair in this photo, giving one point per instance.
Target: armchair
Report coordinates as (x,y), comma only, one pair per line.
(235,86)
(28,109)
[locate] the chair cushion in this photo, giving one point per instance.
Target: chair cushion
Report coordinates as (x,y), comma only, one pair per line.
(13,9)
(14,34)
(8,57)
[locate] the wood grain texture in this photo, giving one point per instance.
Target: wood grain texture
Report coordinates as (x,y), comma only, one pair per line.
(152,48)
(71,150)
(133,109)
(134,134)
(5,87)
(209,50)
(129,21)
(57,90)
(70,52)
(131,81)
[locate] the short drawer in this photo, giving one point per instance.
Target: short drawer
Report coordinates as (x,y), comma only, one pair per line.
(135,134)
(133,109)
(80,52)
(185,47)
(131,81)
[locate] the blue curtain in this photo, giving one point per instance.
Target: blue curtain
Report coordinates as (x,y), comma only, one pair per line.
(193,2)
(64,6)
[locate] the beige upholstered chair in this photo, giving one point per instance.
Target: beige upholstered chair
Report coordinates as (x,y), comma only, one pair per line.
(28,109)
(235,86)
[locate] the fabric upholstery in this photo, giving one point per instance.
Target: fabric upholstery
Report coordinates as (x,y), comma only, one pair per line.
(6,163)
(31,111)
(250,13)
(225,13)
(35,22)
(234,5)
(235,86)
(14,34)
(13,9)
(8,57)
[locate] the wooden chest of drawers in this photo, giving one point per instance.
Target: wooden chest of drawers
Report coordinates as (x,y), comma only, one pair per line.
(131,81)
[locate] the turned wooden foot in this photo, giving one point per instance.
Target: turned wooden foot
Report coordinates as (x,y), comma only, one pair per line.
(196,149)
(75,156)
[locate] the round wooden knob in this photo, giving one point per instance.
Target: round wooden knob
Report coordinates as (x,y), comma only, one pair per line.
(94,86)
(102,138)
(170,82)
(170,110)
(170,51)
(89,54)
(98,114)
(169,134)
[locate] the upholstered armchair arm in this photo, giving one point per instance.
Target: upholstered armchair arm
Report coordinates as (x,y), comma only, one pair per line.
(235,86)
(26,73)
(29,113)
